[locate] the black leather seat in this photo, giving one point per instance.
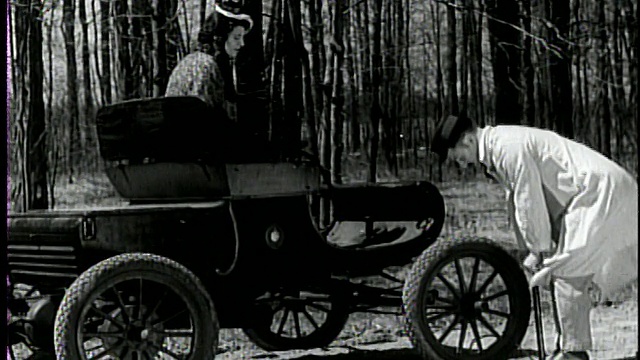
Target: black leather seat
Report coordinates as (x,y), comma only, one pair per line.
(399,204)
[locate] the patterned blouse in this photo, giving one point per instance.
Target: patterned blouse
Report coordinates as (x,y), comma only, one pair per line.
(198,74)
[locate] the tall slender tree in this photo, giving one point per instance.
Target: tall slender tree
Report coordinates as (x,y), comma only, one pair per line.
(252,87)
(337,121)
(375,110)
(292,94)
(36,141)
(105,84)
(351,36)
(505,40)
(68,31)
(86,62)
(604,115)
(452,69)
(527,66)
(560,69)
(123,40)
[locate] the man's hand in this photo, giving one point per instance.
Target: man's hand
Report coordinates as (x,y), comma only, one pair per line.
(532,262)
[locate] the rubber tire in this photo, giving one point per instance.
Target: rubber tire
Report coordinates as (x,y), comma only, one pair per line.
(108,272)
(511,273)
(336,319)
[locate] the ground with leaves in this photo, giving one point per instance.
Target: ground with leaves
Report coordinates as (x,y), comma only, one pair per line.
(473,208)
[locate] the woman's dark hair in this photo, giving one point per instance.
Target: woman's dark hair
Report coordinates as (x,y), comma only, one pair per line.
(215,31)
(224,27)
(207,35)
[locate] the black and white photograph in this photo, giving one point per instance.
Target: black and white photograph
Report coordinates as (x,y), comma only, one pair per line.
(322,179)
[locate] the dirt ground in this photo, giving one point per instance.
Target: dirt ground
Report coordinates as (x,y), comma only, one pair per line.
(615,332)
(477,209)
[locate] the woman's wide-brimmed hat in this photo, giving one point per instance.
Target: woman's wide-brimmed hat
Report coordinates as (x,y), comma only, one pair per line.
(232,9)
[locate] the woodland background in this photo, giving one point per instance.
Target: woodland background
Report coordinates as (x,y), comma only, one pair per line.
(364,80)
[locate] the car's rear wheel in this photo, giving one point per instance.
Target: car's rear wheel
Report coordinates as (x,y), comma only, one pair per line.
(299,320)
(466,299)
(136,306)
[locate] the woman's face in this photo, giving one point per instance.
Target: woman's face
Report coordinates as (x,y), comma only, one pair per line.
(235,41)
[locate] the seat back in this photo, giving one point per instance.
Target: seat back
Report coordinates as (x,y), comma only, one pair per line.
(165,148)
(166,129)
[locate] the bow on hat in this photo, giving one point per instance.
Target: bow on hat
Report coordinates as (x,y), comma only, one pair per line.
(233,9)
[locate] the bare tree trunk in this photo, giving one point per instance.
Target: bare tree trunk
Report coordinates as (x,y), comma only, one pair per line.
(506,60)
(452,74)
(464,63)
(337,121)
(376,111)
(399,135)
(149,58)
(603,75)
(387,71)
(86,129)
(53,129)
(86,64)
(353,76)
(269,45)
(619,98)
(20,108)
(68,31)
(36,156)
(317,55)
(435,15)
(478,67)
(173,36)
(593,131)
(473,109)
(425,82)
(634,71)
(307,81)
(544,82)
(560,69)
(96,54)
(124,54)
(163,70)
(105,84)
(440,106)
(366,74)
(579,114)
(414,134)
(138,9)
(203,12)
(632,50)
(325,122)
(250,64)
(292,79)
(529,109)
(275,73)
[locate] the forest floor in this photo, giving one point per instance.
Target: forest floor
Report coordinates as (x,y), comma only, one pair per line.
(473,208)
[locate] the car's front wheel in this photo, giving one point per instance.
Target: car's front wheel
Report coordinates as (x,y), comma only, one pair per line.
(466,299)
(136,306)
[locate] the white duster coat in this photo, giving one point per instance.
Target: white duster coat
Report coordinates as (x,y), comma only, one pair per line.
(561,189)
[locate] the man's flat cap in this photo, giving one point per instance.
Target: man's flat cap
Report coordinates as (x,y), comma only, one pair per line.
(447,133)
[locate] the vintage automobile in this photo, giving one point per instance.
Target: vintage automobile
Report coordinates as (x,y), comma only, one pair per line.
(212,239)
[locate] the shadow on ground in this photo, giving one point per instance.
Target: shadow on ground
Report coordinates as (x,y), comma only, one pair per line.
(406,354)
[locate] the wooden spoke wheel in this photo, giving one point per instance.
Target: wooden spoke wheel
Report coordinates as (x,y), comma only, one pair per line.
(297,321)
(136,306)
(466,299)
